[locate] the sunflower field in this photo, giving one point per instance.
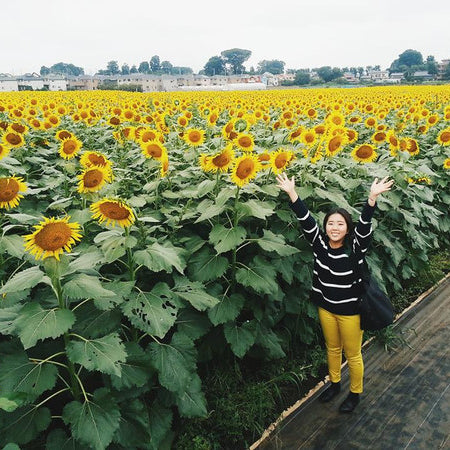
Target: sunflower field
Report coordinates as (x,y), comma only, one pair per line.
(143,236)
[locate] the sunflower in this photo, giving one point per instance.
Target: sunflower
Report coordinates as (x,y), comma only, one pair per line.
(245,142)
(335,144)
(392,139)
(16,127)
(221,161)
(412,147)
(94,159)
(194,136)
(63,134)
(70,147)
(444,137)
(336,119)
(370,122)
(114,121)
(51,237)
(3,151)
(280,159)
(182,121)
(10,189)
(364,153)
(228,131)
(446,164)
(352,135)
(164,165)
(13,139)
(378,137)
(264,159)
(93,179)
(153,149)
(35,124)
(295,135)
(245,169)
(309,137)
(114,212)
(433,119)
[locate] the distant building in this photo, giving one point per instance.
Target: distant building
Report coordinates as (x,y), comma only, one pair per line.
(442,67)
(30,82)
(8,84)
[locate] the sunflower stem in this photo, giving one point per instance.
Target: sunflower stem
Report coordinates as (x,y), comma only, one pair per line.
(56,282)
(130,259)
(233,260)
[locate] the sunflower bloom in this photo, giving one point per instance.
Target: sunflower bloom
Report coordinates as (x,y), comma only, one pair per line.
(280,159)
(412,147)
(94,159)
(309,137)
(70,147)
(114,212)
(221,161)
(153,149)
(245,169)
(164,165)
(51,237)
(63,134)
(245,142)
(446,164)
(10,189)
(378,137)
(335,144)
(13,139)
(194,136)
(444,137)
(203,159)
(364,153)
(93,179)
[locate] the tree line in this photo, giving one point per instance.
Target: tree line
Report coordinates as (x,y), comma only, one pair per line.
(232,62)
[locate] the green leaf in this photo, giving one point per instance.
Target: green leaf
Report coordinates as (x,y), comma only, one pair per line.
(152,312)
(136,370)
(10,401)
(25,424)
(225,239)
(58,440)
(259,275)
(240,338)
(7,317)
(227,309)
(157,257)
(13,245)
(206,265)
(270,341)
(175,362)
(134,426)
(160,423)
(103,354)
(192,402)
(95,421)
(121,290)
(113,248)
(275,243)
(255,208)
(87,261)
(26,279)
(194,292)
(208,210)
(86,286)
(192,323)
(335,198)
(19,374)
(34,323)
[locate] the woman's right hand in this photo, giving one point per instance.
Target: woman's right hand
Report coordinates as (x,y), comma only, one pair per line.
(287,185)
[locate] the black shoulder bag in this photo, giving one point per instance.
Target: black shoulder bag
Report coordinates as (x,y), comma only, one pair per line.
(375,308)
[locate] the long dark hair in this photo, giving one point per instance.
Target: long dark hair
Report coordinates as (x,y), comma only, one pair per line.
(348,220)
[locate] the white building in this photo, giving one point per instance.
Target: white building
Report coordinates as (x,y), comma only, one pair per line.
(8,84)
(55,83)
(30,81)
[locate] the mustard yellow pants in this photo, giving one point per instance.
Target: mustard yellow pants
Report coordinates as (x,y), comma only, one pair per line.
(343,332)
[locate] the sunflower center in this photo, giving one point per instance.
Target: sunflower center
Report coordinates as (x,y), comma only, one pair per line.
(281,160)
(114,211)
(195,136)
(245,168)
(92,178)
(18,128)
(13,138)
(97,160)
(53,236)
(245,142)
(365,151)
(69,147)
(64,134)
(154,150)
(8,189)
(221,160)
(334,143)
(445,136)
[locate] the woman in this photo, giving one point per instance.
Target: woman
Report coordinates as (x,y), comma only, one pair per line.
(336,287)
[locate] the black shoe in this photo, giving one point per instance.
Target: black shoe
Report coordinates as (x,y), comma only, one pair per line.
(330,393)
(349,404)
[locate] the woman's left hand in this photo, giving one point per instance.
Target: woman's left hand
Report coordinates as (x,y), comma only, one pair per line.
(378,187)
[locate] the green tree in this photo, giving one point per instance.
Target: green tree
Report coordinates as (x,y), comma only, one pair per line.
(410,58)
(133,69)
(125,70)
(273,66)
(214,66)
(446,74)
(302,78)
(328,74)
(155,64)
(44,70)
(166,66)
(235,58)
(113,68)
(144,67)
(66,69)
(178,70)
(431,65)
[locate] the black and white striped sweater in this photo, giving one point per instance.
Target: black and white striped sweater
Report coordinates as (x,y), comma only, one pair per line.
(335,285)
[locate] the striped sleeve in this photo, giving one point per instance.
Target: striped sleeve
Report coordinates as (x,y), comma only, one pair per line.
(307,222)
(363,229)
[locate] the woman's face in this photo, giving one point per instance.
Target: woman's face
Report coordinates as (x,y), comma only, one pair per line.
(336,229)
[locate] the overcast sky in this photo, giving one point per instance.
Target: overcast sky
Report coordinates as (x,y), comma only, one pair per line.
(303,34)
